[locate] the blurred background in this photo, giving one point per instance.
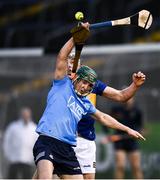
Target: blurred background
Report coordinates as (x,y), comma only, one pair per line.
(31,34)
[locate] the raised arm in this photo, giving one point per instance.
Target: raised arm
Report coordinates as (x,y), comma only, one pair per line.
(110,122)
(61,62)
(125,94)
(80,34)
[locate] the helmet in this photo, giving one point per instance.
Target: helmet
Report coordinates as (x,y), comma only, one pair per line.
(71,55)
(86,73)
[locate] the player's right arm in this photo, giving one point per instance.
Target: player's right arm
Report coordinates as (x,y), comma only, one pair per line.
(61,61)
(110,122)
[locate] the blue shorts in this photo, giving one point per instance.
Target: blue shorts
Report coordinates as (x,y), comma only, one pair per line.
(59,153)
(128,145)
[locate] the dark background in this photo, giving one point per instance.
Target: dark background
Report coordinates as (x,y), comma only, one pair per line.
(32,23)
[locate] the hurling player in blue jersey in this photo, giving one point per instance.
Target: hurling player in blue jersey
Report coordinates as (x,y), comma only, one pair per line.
(66,104)
(86,148)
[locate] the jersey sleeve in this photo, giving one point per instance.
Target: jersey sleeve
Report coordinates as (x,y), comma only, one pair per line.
(92,110)
(99,88)
(89,106)
(60,81)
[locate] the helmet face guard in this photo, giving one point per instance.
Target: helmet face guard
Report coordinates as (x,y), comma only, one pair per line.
(87,74)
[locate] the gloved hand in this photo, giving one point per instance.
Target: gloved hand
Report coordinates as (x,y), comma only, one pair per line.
(80,33)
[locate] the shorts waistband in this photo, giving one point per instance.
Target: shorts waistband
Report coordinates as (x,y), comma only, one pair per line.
(43,136)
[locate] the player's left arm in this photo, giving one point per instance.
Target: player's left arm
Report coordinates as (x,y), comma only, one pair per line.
(125,94)
(110,122)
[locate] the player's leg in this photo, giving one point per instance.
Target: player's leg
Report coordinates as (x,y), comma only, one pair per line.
(43,157)
(54,176)
(120,162)
(135,158)
(44,169)
(78,176)
(89,176)
(66,163)
(135,161)
(86,155)
(35,175)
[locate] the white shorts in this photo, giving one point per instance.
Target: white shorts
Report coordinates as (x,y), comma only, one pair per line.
(86,155)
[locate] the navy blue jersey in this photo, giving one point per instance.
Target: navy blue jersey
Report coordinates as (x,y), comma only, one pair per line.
(86,124)
(129,117)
